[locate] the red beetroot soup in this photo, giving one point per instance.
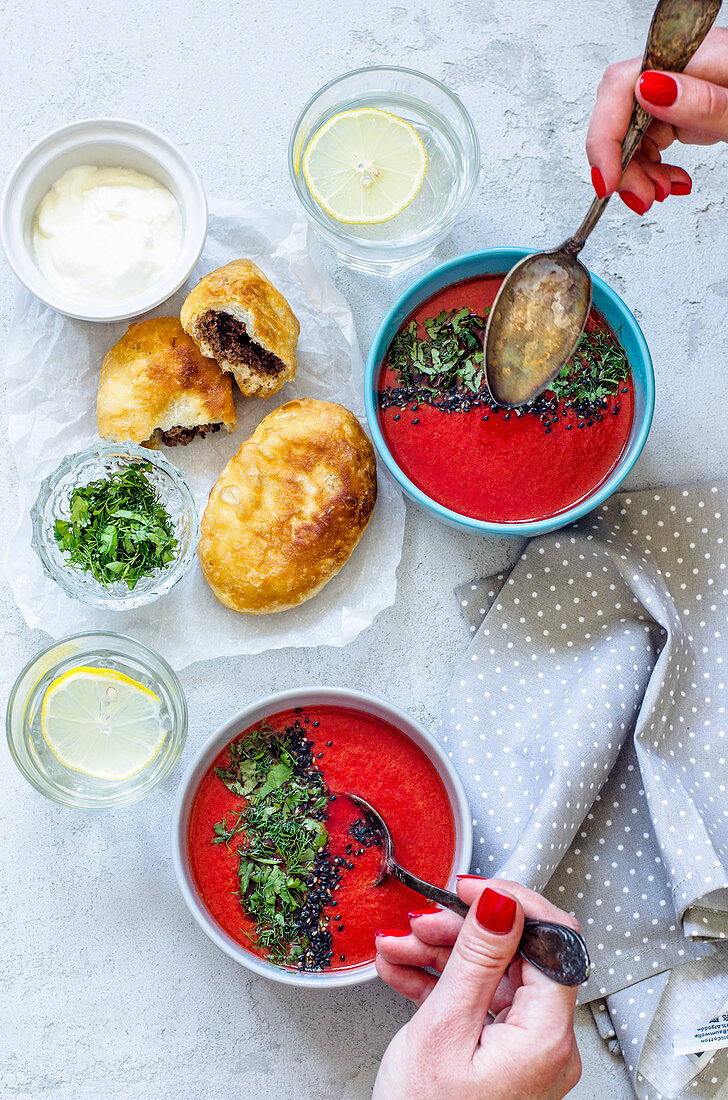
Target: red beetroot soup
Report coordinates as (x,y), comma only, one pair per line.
(357,752)
(489,463)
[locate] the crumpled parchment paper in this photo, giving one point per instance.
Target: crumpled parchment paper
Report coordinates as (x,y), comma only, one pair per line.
(52,369)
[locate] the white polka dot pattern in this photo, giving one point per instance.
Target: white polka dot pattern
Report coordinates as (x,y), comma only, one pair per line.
(588,722)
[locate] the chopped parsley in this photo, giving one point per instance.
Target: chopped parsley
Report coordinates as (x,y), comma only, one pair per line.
(118,528)
(285,875)
(450,356)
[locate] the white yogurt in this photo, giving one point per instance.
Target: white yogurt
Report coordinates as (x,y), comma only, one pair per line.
(106,234)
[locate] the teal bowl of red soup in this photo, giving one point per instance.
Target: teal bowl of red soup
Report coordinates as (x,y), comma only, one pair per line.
(480,467)
(275,862)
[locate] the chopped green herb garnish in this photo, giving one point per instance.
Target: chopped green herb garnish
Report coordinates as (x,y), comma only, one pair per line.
(444,365)
(283,838)
(594,371)
(118,528)
(450,356)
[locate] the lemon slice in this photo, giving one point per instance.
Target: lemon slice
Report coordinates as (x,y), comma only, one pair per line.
(366,166)
(102,723)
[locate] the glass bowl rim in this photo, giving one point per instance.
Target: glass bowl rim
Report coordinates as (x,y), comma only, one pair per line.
(413,296)
(167,578)
(179,736)
(473,155)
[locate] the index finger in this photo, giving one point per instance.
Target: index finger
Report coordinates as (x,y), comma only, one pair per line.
(609,122)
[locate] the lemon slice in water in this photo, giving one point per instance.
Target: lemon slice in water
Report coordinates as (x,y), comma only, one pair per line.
(102,723)
(366,166)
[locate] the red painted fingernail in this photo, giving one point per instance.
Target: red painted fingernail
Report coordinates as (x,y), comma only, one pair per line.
(462,878)
(660,194)
(393,932)
(680,188)
(659,89)
(598,183)
(632,201)
(424,913)
(496,912)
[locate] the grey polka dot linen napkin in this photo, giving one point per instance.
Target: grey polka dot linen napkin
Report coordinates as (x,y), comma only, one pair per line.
(588,723)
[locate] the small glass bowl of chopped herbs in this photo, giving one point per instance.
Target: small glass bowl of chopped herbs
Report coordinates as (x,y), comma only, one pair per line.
(115,526)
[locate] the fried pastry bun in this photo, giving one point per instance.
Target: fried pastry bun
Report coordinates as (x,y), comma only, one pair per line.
(156,387)
(288,509)
(237,316)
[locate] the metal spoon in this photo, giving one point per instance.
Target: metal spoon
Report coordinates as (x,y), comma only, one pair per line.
(558,951)
(544,301)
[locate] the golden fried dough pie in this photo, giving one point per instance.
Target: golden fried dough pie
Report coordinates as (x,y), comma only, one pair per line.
(157,387)
(239,318)
(289,508)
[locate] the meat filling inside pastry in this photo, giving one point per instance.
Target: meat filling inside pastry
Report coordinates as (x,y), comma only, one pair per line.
(180,437)
(228,339)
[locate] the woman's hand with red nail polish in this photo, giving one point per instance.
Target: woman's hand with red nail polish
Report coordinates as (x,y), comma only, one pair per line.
(691,107)
(452,1047)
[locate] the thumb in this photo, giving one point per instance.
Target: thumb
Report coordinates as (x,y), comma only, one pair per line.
(685,103)
(484,949)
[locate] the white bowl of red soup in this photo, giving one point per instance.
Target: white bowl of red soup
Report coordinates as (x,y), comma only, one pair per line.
(482,467)
(275,862)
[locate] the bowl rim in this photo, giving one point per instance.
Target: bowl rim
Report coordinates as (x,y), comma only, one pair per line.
(206,753)
(174,685)
(520,529)
(312,208)
(127,600)
(122,131)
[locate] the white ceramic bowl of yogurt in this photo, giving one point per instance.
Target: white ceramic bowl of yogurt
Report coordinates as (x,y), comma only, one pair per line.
(102,143)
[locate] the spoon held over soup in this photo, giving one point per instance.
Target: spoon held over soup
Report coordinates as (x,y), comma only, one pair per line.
(544,301)
(558,951)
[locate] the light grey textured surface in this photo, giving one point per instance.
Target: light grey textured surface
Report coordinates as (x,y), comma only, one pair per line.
(107,984)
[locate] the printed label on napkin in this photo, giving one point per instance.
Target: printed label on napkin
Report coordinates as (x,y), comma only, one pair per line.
(711,1036)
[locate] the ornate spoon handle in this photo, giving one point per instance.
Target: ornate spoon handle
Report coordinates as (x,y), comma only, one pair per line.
(677,29)
(558,951)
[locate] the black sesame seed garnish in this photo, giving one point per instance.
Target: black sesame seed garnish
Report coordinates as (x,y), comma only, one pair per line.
(329,744)
(366,832)
(416,420)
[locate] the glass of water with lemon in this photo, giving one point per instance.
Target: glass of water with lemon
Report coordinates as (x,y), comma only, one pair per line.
(383,160)
(96,720)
